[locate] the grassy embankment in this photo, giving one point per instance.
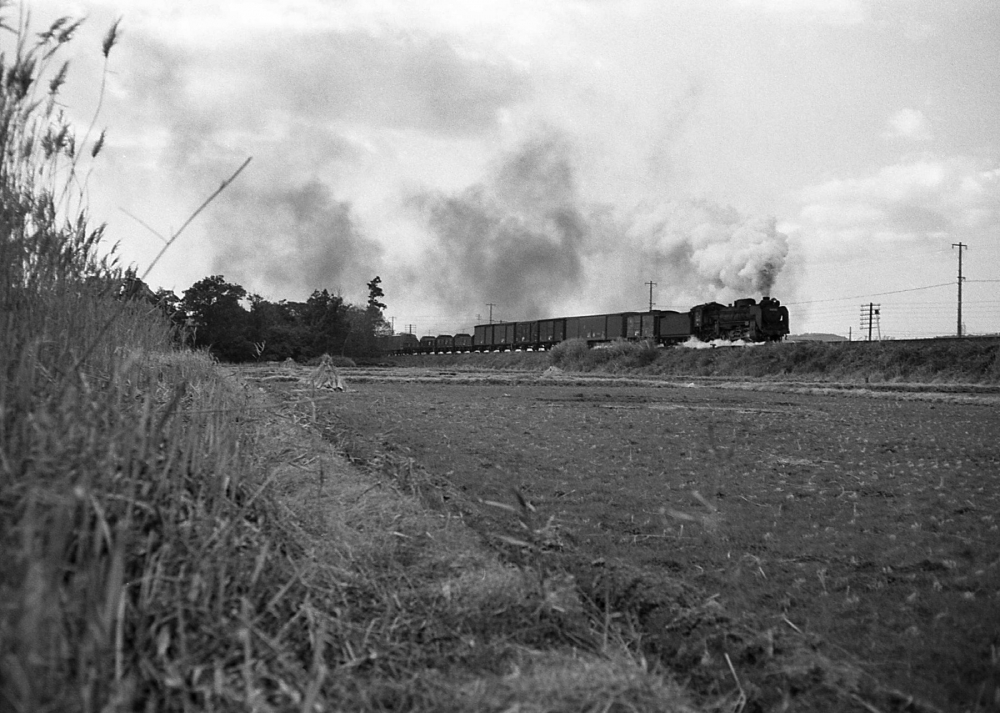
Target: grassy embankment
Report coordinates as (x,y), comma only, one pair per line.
(968,361)
(169,543)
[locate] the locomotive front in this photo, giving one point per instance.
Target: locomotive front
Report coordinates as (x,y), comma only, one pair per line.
(772,319)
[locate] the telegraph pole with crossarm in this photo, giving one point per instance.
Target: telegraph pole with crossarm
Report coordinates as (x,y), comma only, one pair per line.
(961,246)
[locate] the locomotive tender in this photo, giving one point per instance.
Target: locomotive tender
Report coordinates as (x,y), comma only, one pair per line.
(745,319)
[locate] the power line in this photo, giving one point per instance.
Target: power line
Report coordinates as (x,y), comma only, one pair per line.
(844,261)
(871,294)
(966,301)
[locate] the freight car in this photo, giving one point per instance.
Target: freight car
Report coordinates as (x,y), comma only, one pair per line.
(399,344)
(428,345)
(745,319)
(410,344)
(463,342)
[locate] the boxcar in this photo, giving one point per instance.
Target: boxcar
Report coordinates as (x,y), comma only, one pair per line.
(526,335)
(426,345)
(673,327)
(444,343)
(618,325)
(594,328)
(551,332)
(405,343)
(503,335)
(482,337)
(498,336)
(633,326)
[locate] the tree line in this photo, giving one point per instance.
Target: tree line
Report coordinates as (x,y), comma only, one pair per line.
(236,326)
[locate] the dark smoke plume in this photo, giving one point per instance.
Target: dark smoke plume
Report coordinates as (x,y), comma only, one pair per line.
(292,241)
(526,241)
(516,240)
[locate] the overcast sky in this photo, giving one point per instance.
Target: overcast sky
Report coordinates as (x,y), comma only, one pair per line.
(552,157)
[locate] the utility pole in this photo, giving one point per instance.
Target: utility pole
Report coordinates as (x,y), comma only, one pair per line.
(651,286)
(961,246)
(491,305)
(869,315)
(409,328)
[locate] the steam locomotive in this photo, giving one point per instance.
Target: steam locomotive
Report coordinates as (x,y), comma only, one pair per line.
(745,319)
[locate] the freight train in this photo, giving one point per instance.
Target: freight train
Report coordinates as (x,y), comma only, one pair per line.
(745,319)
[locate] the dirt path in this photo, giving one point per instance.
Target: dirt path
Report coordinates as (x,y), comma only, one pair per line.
(868,519)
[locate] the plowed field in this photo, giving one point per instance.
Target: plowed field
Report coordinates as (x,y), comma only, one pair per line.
(871,521)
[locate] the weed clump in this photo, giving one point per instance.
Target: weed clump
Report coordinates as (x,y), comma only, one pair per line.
(570,354)
(616,356)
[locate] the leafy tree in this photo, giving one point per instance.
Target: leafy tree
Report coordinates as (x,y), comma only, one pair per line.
(368,324)
(219,321)
(275,331)
(168,301)
(278,327)
(377,324)
(359,339)
(326,319)
(298,330)
(374,293)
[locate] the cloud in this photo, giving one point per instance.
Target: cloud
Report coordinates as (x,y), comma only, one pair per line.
(909,124)
(921,202)
(839,12)
(879,236)
(389,80)
(397,81)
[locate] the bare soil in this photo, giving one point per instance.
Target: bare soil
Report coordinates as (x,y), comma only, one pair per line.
(866,523)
